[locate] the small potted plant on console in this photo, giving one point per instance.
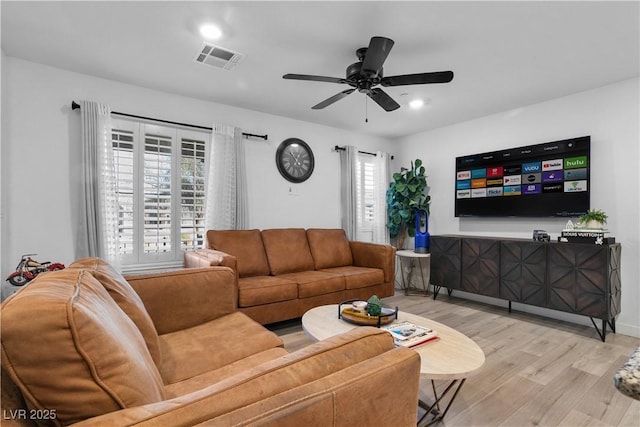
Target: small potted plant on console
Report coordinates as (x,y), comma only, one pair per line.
(593,219)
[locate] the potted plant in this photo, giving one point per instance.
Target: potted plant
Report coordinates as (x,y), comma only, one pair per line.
(405,196)
(594,218)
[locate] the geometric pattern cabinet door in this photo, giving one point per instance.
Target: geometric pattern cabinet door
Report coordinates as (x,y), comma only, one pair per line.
(579,279)
(523,266)
(481,266)
(445,261)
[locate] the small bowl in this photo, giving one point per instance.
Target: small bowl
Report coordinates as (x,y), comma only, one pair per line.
(359,305)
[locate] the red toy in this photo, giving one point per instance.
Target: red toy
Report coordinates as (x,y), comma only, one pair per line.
(29,268)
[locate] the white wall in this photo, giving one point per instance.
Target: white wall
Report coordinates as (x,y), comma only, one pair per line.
(609,114)
(40,172)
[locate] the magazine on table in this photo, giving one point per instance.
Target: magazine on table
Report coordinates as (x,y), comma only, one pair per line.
(408,334)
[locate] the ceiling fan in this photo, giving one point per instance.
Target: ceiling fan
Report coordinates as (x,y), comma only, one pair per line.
(365,74)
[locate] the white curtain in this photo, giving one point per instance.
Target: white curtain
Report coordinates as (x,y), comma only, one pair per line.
(348,191)
(380,185)
(226,205)
(98,222)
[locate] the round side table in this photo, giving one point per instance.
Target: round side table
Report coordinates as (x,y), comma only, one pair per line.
(418,261)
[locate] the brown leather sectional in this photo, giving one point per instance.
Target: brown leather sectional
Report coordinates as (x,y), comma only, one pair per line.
(284,272)
(89,347)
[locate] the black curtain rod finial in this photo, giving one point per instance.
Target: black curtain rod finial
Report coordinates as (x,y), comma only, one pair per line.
(74,105)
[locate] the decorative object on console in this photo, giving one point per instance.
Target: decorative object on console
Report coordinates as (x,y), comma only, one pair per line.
(593,219)
(541,236)
(589,229)
(405,196)
(586,236)
(421,240)
(295,160)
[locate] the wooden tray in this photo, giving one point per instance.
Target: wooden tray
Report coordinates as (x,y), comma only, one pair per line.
(360,318)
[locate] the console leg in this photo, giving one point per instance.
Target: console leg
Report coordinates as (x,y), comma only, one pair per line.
(603,333)
(436,290)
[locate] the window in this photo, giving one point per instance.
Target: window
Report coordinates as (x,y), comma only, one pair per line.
(160,173)
(365,205)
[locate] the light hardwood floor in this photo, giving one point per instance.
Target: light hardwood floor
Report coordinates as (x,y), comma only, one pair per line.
(538,371)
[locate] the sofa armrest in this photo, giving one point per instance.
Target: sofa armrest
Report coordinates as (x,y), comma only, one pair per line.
(375,255)
(184,298)
(366,356)
(209,258)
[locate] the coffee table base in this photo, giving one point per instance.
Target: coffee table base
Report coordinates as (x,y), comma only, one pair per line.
(434,408)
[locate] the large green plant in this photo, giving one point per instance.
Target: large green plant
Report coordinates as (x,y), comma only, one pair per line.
(405,196)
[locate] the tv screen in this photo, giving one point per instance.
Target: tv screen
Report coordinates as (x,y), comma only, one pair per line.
(543,180)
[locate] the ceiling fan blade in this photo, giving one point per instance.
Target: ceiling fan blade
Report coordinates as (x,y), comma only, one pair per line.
(377,52)
(418,79)
(313,78)
(382,99)
(334,98)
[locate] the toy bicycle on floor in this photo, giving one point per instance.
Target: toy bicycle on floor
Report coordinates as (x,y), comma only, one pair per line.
(28,268)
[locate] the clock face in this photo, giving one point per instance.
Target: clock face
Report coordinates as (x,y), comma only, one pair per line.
(295,160)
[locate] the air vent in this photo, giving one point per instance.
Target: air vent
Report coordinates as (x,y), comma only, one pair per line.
(219,57)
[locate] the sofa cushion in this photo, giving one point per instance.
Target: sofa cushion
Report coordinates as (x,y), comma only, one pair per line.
(359,277)
(69,347)
(212,345)
(245,245)
(329,248)
(213,376)
(287,250)
(313,283)
(258,290)
(126,298)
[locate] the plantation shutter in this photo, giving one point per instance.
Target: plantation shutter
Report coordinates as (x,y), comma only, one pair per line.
(157,194)
(192,193)
(123,157)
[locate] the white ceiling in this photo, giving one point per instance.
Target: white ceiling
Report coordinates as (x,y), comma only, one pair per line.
(504,54)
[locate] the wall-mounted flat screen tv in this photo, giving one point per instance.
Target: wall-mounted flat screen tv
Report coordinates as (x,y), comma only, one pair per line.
(543,180)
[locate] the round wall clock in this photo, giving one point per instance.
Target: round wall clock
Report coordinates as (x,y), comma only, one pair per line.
(294,159)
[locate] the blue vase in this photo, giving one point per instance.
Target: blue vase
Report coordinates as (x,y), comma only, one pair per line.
(422,237)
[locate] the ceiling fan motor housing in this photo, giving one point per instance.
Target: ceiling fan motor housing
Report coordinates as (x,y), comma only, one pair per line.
(361,79)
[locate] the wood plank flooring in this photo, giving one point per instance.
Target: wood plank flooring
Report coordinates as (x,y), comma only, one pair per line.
(538,371)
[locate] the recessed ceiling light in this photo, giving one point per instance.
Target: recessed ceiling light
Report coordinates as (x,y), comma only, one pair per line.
(210,32)
(416,103)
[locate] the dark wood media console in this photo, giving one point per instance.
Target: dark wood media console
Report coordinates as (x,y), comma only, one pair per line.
(571,277)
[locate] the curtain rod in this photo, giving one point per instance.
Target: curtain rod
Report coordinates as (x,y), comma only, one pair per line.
(338,148)
(75,106)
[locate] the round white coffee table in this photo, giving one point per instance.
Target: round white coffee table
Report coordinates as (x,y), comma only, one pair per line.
(454,357)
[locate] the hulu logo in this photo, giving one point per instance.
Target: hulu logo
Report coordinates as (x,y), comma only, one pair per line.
(575,162)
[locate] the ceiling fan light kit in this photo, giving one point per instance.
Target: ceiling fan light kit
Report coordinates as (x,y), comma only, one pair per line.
(367,73)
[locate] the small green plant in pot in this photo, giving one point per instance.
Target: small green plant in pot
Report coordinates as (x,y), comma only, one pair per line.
(594,218)
(405,196)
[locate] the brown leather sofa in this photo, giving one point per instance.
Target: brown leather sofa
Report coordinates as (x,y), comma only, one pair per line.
(85,347)
(284,272)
